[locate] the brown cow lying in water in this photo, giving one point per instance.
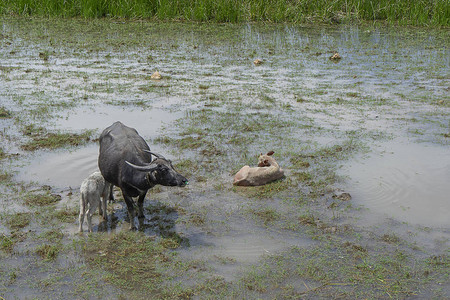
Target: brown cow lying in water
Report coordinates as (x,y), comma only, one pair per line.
(267,171)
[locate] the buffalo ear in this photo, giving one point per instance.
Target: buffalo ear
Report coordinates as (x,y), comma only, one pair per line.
(151,176)
(270,153)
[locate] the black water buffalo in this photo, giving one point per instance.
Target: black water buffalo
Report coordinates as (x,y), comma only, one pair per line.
(125,161)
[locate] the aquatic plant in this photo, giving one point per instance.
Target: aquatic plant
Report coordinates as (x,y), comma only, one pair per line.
(41,138)
(422,12)
(4,113)
(16,221)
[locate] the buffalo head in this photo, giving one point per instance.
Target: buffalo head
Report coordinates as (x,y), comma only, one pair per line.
(160,171)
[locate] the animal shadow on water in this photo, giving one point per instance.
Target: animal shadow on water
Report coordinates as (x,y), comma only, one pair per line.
(159,220)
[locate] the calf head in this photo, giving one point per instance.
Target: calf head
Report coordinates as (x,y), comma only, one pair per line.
(265,160)
(161,171)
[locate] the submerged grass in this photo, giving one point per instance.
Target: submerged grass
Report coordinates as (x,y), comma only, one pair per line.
(48,252)
(32,199)
(2,155)
(41,138)
(4,113)
(7,242)
(135,262)
(17,221)
(436,13)
(344,270)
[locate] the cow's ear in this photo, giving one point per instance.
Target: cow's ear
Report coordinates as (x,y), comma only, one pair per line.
(151,176)
(270,153)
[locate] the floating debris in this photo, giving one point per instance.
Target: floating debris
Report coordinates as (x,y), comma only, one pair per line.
(156,76)
(44,55)
(343,196)
(336,56)
(257,62)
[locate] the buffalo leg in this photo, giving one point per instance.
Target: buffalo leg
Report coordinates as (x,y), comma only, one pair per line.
(131,211)
(141,205)
(111,193)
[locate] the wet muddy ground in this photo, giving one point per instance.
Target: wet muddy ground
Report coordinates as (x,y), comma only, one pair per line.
(363,209)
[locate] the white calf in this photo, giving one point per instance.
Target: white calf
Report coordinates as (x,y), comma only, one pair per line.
(94,192)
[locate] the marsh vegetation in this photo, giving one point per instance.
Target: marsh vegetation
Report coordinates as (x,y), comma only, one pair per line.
(213,111)
(435,13)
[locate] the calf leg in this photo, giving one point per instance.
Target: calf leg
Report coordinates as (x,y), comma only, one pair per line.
(100,209)
(106,193)
(91,211)
(82,212)
(103,204)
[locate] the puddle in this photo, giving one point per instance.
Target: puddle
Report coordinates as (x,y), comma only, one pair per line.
(405,181)
(147,122)
(249,248)
(244,246)
(60,169)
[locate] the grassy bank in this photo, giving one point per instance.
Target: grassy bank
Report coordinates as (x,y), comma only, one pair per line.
(411,12)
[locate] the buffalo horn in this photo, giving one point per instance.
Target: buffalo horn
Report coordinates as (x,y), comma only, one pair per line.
(147,168)
(155,154)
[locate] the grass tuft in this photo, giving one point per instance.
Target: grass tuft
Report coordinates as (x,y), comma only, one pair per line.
(17,221)
(4,113)
(48,252)
(132,260)
(31,199)
(7,242)
(41,138)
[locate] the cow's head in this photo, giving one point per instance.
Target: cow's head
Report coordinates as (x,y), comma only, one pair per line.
(161,171)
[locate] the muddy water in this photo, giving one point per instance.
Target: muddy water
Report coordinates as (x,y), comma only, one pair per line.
(405,181)
(62,170)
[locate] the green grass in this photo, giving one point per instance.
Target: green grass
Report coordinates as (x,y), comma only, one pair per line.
(267,215)
(422,12)
(17,221)
(7,242)
(265,191)
(136,263)
(41,138)
(2,155)
(4,113)
(66,215)
(345,270)
(43,199)
(48,252)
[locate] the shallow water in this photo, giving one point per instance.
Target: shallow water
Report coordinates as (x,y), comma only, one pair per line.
(378,65)
(404,181)
(148,121)
(61,170)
